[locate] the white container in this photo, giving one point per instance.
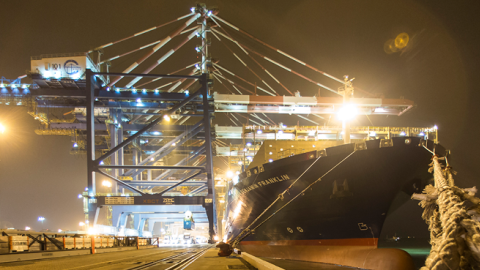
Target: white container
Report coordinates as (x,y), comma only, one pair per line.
(110,242)
(87,242)
(103,242)
(18,243)
(98,242)
(79,243)
(68,242)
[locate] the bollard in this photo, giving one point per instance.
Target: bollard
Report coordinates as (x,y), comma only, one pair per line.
(93,245)
(138,246)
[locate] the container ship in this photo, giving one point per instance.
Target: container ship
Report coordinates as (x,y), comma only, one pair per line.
(328,205)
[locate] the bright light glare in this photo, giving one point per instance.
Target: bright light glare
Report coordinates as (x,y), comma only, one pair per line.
(380,110)
(249,144)
(2,128)
(373,134)
(106,183)
(92,231)
(80,196)
(59,230)
(81,224)
(237,209)
(402,133)
(259,131)
(235,179)
(215,238)
(421,134)
(347,112)
(41,218)
(27,228)
(166,117)
(229,174)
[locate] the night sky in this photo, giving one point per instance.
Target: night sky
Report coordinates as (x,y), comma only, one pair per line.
(437,70)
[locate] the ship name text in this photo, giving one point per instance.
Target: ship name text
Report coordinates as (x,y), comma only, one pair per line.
(265,183)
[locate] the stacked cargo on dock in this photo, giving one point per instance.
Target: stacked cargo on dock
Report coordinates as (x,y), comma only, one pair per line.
(4,248)
(68,243)
(54,243)
(98,242)
(35,244)
(110,241)
(11,244)
(87,242)
(79,243)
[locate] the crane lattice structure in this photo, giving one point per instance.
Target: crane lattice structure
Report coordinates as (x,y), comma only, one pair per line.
(146,124)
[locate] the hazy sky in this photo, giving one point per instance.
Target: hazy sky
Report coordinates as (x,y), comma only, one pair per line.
(438,72)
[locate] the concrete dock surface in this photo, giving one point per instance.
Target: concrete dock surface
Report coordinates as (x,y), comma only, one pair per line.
(198,257)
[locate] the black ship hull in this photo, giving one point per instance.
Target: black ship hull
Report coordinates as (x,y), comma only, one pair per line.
(338,219)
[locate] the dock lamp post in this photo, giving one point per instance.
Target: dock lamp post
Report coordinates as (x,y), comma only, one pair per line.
(82,224)
(41,219)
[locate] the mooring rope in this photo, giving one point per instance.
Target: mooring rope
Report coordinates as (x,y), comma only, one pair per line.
(454,228)
(247,230)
